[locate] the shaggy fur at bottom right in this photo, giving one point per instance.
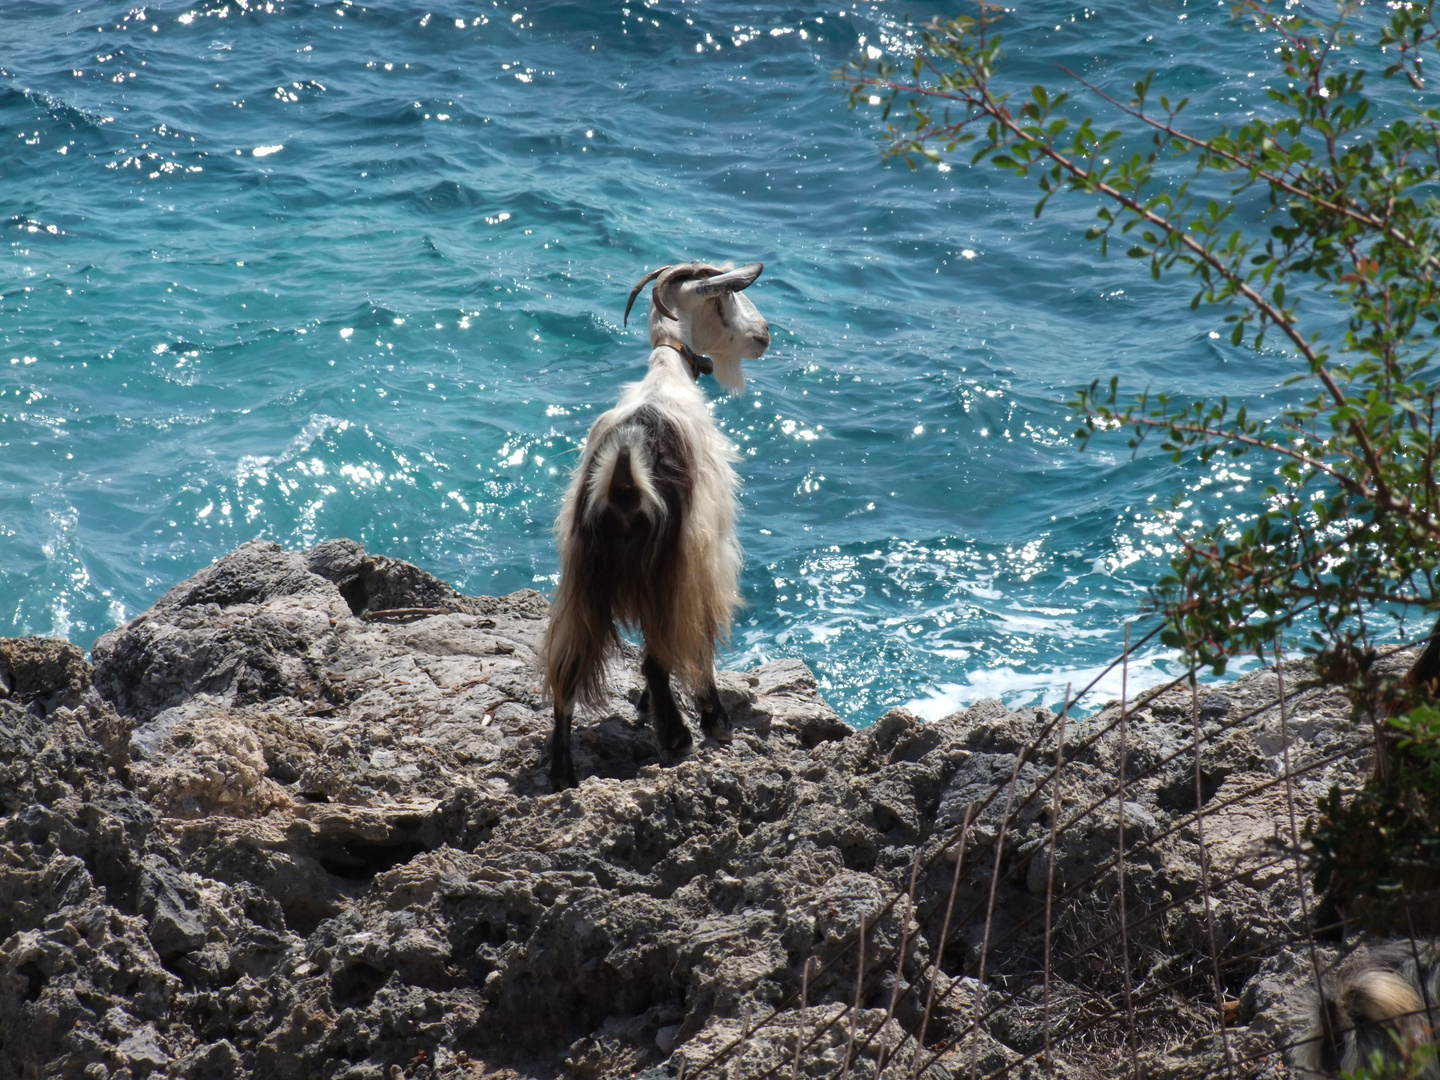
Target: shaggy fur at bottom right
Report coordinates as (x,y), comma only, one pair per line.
(1381,999)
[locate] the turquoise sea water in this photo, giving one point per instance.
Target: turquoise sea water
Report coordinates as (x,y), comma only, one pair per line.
(282,269)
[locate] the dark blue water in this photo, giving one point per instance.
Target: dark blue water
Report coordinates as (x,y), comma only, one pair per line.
(299,271)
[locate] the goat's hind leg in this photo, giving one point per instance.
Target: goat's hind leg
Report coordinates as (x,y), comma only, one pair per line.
(714,720)
(562,764)
(670,726)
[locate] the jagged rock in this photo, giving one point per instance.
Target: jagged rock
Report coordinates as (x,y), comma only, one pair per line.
(169,904)
(43,672)
(328,849)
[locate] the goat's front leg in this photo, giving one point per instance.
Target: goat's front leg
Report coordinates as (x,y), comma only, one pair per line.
(670,726)
(562,765)
(714,720)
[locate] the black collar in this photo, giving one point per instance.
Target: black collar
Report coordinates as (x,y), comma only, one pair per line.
(699,365)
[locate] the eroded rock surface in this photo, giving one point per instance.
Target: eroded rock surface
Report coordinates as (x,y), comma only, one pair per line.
(295,822)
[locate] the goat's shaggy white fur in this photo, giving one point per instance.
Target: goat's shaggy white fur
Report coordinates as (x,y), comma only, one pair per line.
(647,531)
(681,628)
(1377,1001)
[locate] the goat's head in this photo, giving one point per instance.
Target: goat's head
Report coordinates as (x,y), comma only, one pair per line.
(705,307)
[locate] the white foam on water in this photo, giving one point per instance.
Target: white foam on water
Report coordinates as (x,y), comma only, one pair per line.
(1018,689)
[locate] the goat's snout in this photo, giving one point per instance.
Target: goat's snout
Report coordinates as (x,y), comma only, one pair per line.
(760,341)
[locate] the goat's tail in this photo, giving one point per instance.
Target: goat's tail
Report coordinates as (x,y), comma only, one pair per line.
(623,483)
(1370,1009)
(621,558)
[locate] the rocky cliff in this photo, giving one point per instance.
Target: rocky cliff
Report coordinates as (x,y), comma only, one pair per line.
(293,822)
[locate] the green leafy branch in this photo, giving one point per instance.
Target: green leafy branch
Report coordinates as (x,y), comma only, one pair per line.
(1350,526)
(1344,540)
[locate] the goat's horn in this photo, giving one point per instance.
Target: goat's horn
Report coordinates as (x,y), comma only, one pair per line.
(732,281)
(636,292)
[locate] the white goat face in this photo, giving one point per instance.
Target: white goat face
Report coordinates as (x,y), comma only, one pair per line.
(722,320)
(705,307)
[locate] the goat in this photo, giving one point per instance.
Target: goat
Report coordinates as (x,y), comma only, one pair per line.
(1381,999)
(647,530)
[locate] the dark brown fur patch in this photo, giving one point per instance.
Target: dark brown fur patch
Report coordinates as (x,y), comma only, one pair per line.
(628,563)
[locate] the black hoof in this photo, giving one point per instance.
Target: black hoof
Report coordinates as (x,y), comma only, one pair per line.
(715,721)
(671,731)
(676,736)
(562,768)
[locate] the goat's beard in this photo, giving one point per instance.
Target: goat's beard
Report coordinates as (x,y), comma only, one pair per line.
(729,374)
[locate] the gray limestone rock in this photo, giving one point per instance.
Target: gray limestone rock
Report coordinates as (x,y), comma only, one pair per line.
(328,849)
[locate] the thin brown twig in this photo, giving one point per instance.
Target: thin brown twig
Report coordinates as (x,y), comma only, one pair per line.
(744,1039)
(1158,911)
(1294,827)
(945,932)
(1050,880)
(1205,880)
(1039,739)
(1100,943)
(859,990)
(906,917)
(724,1051)
(804,1002)
(406,613)
(1240,961)
(1347,482)
(1120,857)
(990,904)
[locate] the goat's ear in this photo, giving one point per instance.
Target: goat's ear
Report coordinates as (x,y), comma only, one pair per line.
(730,281)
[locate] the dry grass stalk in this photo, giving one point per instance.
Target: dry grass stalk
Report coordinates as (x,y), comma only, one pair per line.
(1205,879)
(735,1072)
(1050,871)
(906,917)
(1290,808)
(804,1001)
(990,906)
(859,997)
(1155,1010)
(1098,944)
(1120,854)
(944,938)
